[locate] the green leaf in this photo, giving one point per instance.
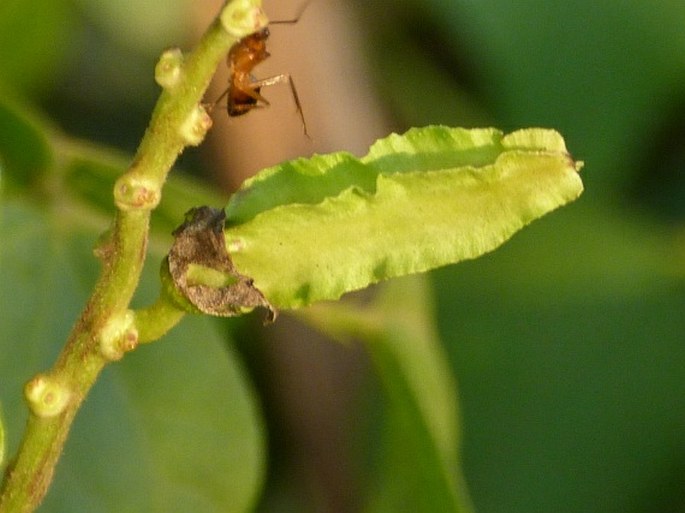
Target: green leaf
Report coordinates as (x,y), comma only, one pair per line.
(172,427)
(90,173)
(34,36)
(25,152)
(35,158)
(420,462)
(313,230)
(554,338)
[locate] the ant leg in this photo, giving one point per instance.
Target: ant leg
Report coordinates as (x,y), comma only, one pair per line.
(211,106)
(281,79)
(241,99)
(253,92)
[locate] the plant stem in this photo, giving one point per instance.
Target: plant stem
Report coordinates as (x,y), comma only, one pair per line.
(55,396)
(155,320)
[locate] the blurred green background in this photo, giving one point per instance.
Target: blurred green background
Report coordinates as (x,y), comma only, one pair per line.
(569,342)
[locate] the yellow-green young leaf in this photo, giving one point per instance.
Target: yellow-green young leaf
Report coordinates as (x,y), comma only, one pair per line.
(312,230)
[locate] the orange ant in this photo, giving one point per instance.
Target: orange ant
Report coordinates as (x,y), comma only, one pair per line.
(243,92)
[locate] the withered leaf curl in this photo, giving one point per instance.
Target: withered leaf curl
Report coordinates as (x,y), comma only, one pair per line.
(198,255)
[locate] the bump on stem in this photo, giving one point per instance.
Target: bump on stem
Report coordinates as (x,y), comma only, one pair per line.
(241,18)
(196,126)
(54,397)
(169,68)
(118,336)
(134,192)
(47,396)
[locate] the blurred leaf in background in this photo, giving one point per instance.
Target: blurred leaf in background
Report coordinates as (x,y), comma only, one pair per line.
(87,63)
(568,342)
(416,446)
(33,40)
(175,427)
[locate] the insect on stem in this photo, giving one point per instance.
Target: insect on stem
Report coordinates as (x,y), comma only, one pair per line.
(244,89)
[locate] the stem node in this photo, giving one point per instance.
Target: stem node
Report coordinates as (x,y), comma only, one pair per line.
(132,192)
(241,18)
(195,127)
(169,69)
(46,396)
(119,336)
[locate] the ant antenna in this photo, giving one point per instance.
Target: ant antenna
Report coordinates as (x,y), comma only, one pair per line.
(297,17)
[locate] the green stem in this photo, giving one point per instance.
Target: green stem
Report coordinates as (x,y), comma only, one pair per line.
(177,121)
(155,320)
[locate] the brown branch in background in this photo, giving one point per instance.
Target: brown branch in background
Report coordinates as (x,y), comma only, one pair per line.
(322,52)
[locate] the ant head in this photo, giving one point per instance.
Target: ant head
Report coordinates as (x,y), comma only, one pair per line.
(263,34)
(257,39)
(251,46)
